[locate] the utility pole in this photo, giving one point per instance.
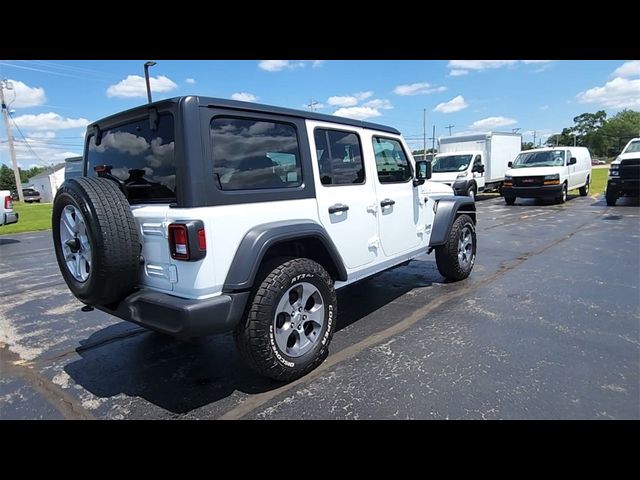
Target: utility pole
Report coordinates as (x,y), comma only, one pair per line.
(424,135)
(433,141)
(312,105)
(534,138)
(12,151)
(449,127)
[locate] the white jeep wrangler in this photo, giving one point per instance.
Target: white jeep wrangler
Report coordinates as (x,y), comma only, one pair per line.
(199,215)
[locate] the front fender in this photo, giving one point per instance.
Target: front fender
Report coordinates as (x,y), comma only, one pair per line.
(446,213)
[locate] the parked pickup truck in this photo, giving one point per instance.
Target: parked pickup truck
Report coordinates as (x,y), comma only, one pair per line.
(7,215)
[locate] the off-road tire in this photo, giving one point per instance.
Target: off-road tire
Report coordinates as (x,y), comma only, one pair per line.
(254,335)
(447,259)
(611,198)
(113,238)
(509,200)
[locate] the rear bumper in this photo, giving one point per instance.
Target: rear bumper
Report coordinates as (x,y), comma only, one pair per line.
(532,192)
(624,186)
(181,317)
(10,217)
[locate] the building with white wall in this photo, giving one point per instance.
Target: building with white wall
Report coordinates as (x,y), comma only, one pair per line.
(47,183)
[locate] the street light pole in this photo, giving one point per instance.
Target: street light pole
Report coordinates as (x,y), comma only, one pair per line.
(424,135)
(12,151)
(146,78)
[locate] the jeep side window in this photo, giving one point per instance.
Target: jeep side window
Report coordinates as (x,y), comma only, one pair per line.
(339,157)
(391,162)
(255,154)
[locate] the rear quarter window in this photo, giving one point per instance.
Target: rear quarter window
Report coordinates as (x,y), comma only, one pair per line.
(253,154)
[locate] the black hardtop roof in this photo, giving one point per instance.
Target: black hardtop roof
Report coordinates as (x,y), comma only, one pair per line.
(247,106)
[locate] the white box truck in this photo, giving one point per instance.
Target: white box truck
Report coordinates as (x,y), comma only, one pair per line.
(475,163)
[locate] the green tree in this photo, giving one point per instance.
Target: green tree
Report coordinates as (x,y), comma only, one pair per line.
(7,180)
(619,129)
(528,146)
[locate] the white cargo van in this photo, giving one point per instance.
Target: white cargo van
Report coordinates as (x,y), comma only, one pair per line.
(548,172)
(475,163)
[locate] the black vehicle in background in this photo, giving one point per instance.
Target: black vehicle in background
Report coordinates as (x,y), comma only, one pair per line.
(30,195)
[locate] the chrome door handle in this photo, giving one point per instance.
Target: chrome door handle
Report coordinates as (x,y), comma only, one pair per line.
(338,207)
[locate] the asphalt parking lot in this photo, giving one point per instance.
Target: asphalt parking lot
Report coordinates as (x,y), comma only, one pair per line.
(547,326)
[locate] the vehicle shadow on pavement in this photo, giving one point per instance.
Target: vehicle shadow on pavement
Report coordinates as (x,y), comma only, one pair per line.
(8,241)
(181,376)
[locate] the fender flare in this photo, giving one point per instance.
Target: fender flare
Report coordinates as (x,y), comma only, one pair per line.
(259,239)
(446,213)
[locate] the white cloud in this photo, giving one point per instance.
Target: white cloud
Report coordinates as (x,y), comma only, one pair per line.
(628,69)
(190,81)
(278,65)
(47,151)
(244,97)
(379,103)
(49,121)
(342,101)
(421,88)
(544,107)
(618,93)
(462,67)
(479,64)
(316,106)
(135,86)
(358,113)
(493,122)
(454,105)
(348,100)
(318,63)
(25,95)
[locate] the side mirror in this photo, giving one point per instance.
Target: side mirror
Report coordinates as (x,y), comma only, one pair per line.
(510,164)
(573,161)
(423,172)
(478,169)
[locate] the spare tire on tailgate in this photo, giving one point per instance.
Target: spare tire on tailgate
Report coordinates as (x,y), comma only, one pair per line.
(96,240)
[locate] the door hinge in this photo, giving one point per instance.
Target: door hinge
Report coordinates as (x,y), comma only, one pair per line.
(374,242)
(373,209)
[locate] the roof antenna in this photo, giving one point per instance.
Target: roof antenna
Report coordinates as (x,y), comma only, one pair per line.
(146,77)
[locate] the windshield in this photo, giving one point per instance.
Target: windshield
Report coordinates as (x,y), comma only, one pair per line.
(451,163)
(140,158)
(633,147)
(549,158)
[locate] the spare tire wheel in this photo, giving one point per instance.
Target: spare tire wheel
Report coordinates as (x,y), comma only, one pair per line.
(96,240)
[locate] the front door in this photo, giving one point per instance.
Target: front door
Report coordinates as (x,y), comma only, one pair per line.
(478,172)
(399,210)
(346,196)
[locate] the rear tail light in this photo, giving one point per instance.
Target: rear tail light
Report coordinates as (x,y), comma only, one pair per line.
(8,203)
(187,240)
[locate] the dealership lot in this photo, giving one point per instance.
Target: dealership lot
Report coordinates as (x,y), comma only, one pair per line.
(546,326)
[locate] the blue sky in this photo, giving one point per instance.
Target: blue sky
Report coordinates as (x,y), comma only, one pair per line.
(55,99)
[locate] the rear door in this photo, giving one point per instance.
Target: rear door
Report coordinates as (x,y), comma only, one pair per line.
(344,191)
(398,201)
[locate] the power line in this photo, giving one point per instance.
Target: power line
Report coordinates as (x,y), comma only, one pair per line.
(24,138)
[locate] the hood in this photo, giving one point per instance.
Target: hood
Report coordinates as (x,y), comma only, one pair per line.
(532,171)
(445,176)
(627,156)
(437,189)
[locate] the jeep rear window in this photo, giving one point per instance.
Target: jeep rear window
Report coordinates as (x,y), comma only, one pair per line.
(255,154)
(141,158)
